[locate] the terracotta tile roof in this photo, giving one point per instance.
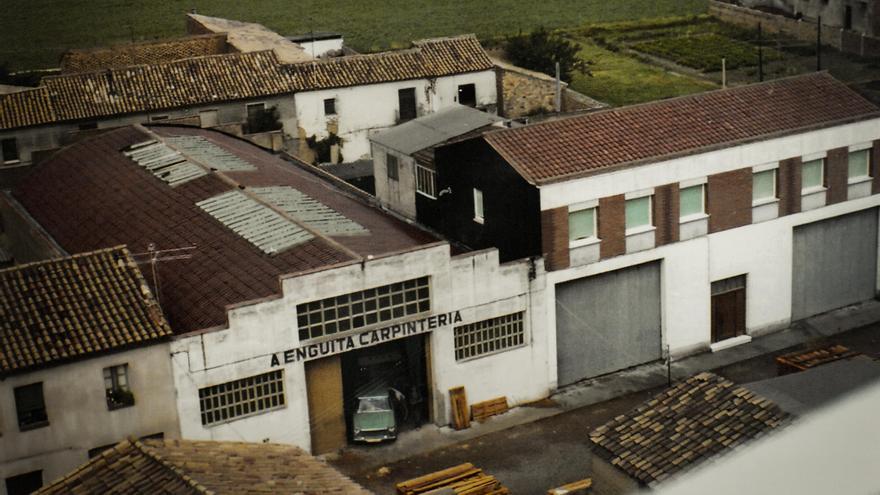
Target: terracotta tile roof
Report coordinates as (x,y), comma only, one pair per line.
(26,108)
(577,146)
(428,58)
(249,37)
(693,421)
(71,307)
(184,467)
(90,195)
(149,52)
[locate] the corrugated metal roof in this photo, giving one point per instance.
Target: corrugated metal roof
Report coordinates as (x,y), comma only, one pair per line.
(163,162)
(433,129)
(208,153)
(310,211)
(259,224)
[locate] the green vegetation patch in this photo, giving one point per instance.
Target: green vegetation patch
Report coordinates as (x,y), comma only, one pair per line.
(705,51)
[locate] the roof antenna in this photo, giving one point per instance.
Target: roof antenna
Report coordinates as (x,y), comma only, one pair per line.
(156,255)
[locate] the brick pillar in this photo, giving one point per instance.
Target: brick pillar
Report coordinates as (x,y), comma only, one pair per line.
(554,238)
(790,186)
(612,226)
(836,171)
(666,213)
(875,167)
(729,199)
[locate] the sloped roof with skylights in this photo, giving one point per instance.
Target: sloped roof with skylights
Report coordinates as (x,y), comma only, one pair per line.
(251,215)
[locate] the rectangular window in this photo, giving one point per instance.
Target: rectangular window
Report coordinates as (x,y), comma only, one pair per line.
(116,387)
(406,104)
(489,336)
(426,181)
(24,484)
(581,224)
(363,308)
(330,106)
(208,118)
(467,95)
(255,110)
(392,166)
(813,174)
(478,206)
(638,212)
(10,150)
(239,398)
(30,407)
(691,201)
(859,162)
(764,185)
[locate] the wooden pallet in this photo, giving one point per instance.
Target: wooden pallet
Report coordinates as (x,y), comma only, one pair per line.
(802,360)
(464,479)
(482,410)
(458,400)
(577,487)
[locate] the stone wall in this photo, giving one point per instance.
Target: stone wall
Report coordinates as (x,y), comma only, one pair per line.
(523,92)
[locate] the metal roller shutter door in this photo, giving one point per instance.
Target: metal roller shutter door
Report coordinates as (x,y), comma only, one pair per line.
(834,263)
(608,322)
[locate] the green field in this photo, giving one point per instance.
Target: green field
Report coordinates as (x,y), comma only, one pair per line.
(34,33)
(705,51)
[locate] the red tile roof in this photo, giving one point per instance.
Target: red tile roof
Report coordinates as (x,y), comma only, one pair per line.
(71,307)
(90,195)
(187,467)
(146,52)
(568,148)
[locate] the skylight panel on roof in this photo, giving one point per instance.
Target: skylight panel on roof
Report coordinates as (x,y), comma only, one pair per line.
(263,227)
(310,211)
(208,153)
(164,162)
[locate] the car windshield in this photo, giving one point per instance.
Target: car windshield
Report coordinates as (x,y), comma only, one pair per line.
(373,404)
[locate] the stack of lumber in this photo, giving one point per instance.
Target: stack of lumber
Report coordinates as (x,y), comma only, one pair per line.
(485,409)
(577,487)
(464,479)
(800,360)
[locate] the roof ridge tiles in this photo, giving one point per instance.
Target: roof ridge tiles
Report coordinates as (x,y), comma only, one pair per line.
(178,471)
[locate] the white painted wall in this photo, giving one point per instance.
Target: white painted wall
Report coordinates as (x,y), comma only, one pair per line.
(474,283)
(78,416)
(397,195)
(362,110)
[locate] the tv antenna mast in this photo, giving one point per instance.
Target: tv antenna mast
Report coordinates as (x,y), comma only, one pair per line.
(153,256)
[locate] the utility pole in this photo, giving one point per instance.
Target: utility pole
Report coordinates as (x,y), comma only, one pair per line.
(760,55)
(558,97)
(819,43)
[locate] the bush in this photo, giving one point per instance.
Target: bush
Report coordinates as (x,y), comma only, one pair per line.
(264,120)
(540,50)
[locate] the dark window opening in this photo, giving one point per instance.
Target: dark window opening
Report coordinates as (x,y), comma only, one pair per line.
(330,106)
(847,17)
(24,484)
(393,167)
(10,150)
(30,407)
(407,101)
(467,95)
(116,387)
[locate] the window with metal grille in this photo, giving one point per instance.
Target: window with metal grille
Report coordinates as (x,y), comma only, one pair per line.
(489,336)
(426,181)
(363,308)
(239,398)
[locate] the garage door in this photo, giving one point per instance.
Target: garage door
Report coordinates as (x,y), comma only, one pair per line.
(607,322)
(834,263)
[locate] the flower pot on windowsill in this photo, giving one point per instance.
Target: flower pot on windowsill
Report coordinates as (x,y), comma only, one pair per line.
(118,398)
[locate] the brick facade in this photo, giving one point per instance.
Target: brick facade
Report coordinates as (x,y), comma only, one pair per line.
(729,199)
(666,213)
(612,226)
(554,238)
(790,186)
(836,170)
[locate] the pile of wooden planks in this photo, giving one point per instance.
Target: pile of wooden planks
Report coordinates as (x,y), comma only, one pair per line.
(482,410)
(802,360)
(464,479)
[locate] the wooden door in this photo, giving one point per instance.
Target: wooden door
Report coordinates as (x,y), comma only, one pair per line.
(324,390)
(728,315)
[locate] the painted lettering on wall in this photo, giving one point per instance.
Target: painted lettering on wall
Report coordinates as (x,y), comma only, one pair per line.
(364,339)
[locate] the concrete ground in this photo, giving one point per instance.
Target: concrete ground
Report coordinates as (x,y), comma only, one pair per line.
(531,449)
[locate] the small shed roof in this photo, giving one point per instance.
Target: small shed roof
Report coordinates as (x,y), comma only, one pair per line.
(433,129)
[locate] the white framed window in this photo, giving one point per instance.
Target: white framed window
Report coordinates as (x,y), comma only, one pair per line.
(363,308)
(582,224)
(692,201)
(244,397)
(116,387)
(764,186)
(813,175)
(859,165)
(392,166)
(489,336)
(426,181)
(478,206)
(638,213)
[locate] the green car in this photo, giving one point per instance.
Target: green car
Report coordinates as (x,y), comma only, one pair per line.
(374,420)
